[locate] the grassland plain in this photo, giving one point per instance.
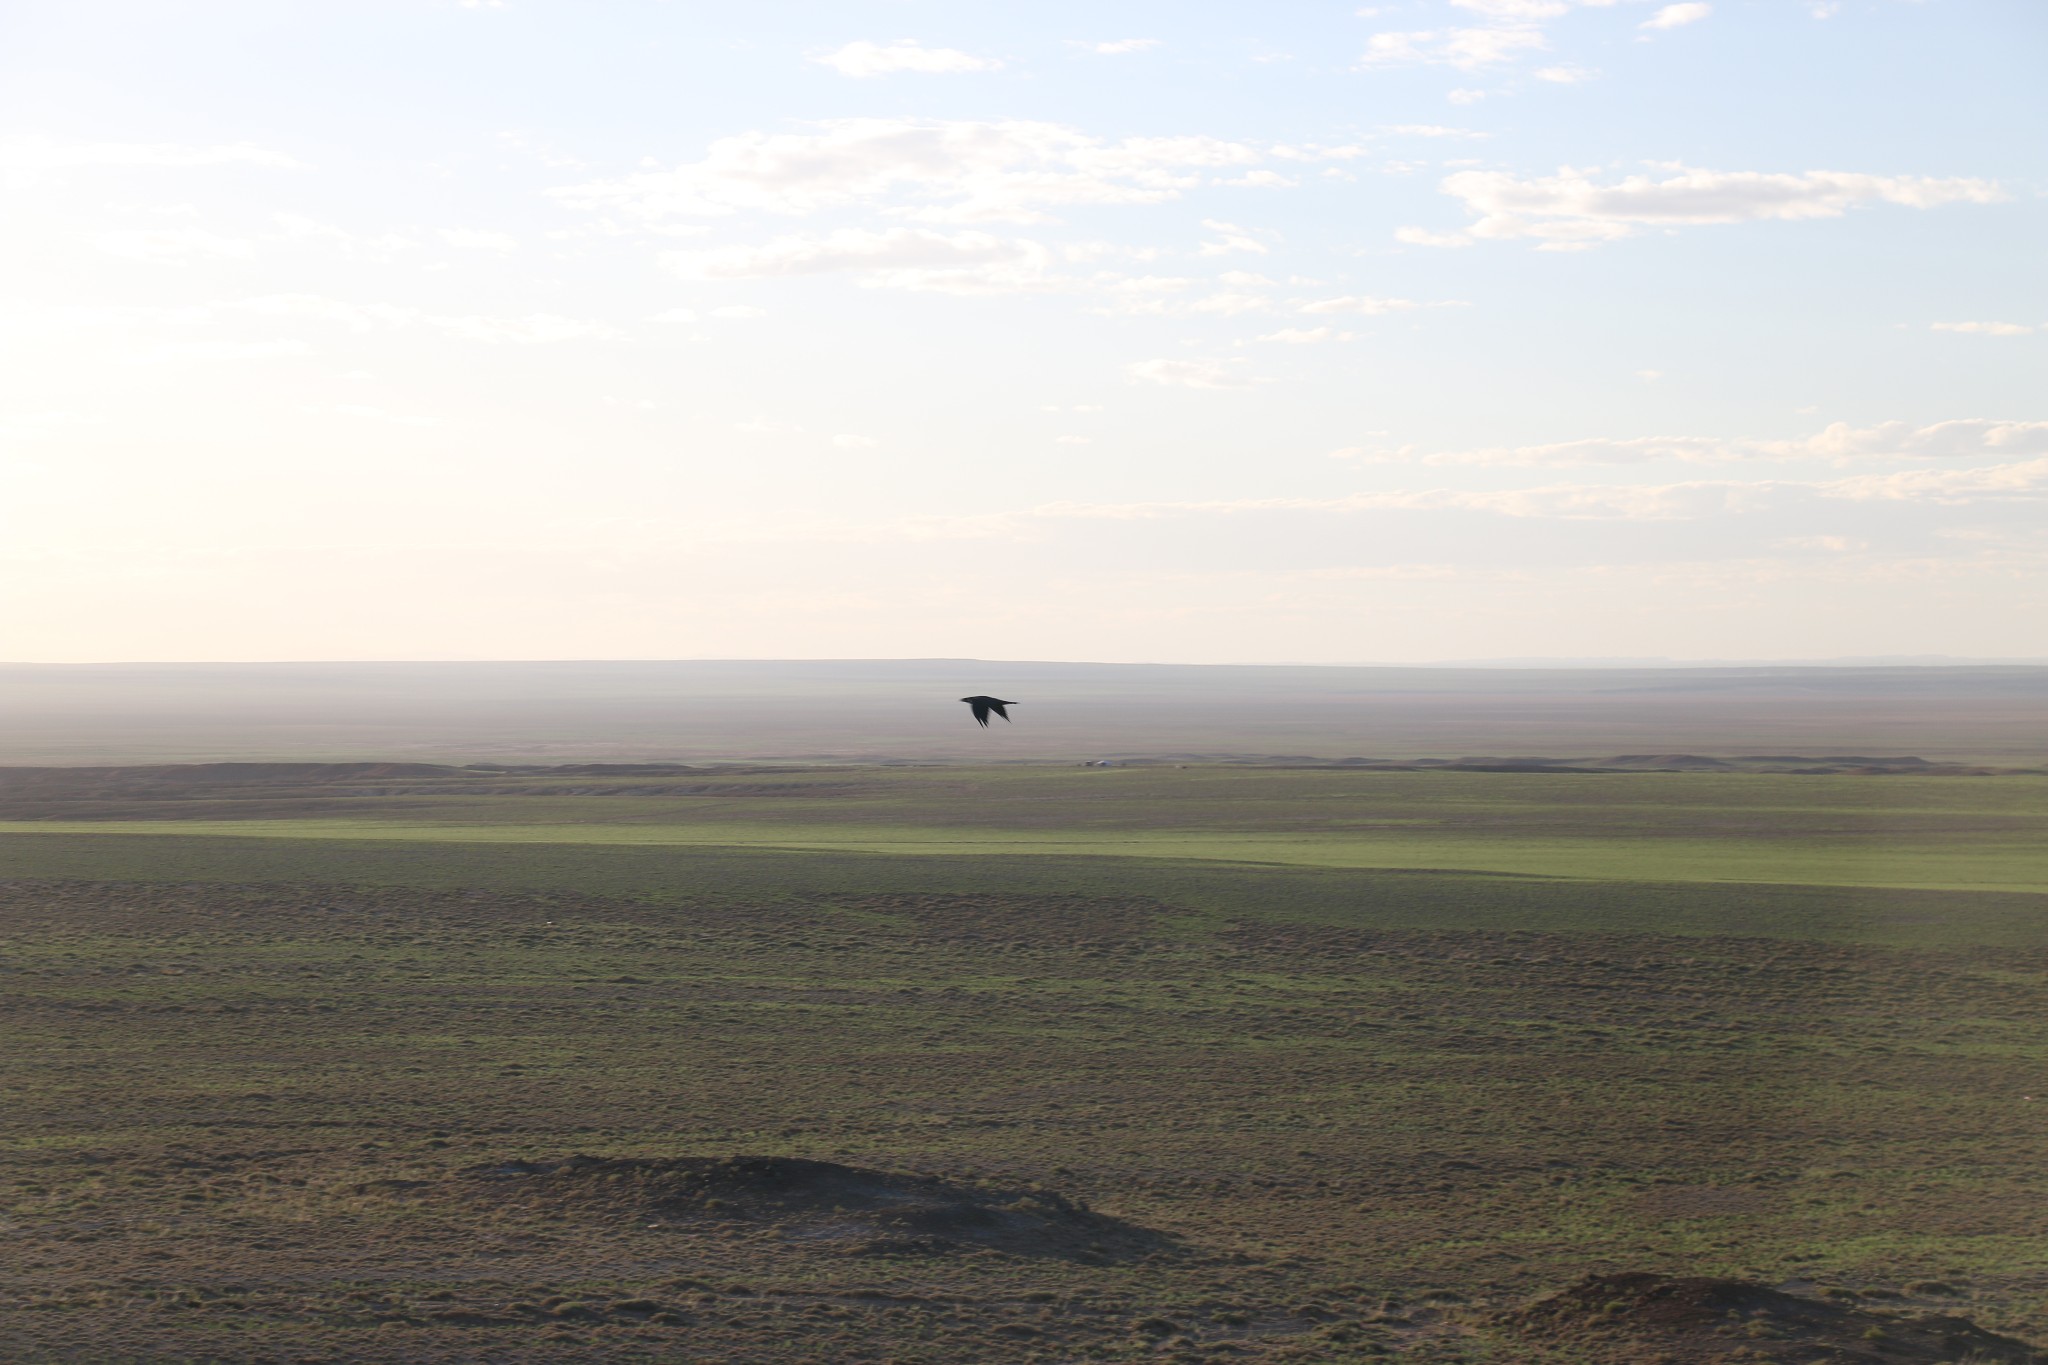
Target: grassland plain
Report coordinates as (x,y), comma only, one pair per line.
(274,1065)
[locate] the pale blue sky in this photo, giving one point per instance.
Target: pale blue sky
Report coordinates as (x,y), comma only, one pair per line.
(1423,330)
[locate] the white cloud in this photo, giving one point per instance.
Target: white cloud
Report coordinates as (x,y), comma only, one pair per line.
(1465,96)
(767,426)
(1186,374)
(1570,210)
(372,414)
(954,171)
(1838,443)
(293,227)
(43,154)
(1677,16)
(1262,180)
(739,312)
(1430,130)
(1307,336)
(1235,291)
(1120,47)
(472,239)
(1961,438)
(899,258)
(866,60)
(1230,237)
(847,440)
(1364,304)
(1994,329)
(1340,151)
(1516,9)
(357,317)
(674,315)
(1564,75)
(228,350)
(1514,29)
(532,329)
(2026,482)
(1467,49)
(171,244)
(1074,440)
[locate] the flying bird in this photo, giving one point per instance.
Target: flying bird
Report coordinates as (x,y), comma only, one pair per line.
(983,705)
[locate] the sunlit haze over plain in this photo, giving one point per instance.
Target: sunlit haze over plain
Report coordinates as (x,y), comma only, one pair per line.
(1196,332)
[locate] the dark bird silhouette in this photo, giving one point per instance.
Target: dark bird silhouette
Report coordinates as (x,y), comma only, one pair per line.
(983,705)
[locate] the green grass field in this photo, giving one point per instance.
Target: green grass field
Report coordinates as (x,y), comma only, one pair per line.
(1374,1057)
(1933,833)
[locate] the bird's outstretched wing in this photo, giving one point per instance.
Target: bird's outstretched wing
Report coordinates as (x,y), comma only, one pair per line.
(984,707)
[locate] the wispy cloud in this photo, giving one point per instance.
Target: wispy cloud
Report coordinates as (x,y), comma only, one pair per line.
(1512,29)
(297,229)
(1524,11)
(174,244)
(1678,16)
(1839,443)
(1363,305)
(276,348)
(1466,49)
(1572,210)
(46,154)
(897,257)
(864,61)
(1187,374)
(1431,130)
(1307,336)
(529,329)
(1616,502)
(1992,329)
(476,239)
(1230,237)
(933,170)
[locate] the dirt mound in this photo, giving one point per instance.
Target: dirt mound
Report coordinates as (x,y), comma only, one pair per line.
(1644,1317)
(844,1208)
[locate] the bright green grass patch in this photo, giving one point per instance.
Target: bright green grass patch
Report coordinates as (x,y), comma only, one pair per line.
(1196,898)
(1988,862)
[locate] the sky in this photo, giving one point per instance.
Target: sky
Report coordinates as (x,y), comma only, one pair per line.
(1177,331)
